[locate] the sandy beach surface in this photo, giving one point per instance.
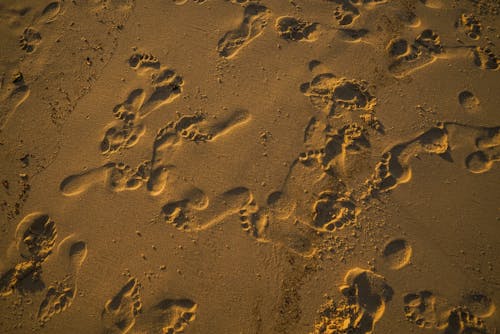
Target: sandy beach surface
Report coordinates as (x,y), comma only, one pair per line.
(240,166)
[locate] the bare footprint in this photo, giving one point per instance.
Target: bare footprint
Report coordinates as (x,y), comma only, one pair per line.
(487,153)
(409,58)
(336,96)
(345,13)
(201,213)
(468,101)
(293,29)
(428,310)
(76,184)
(169,316)
(394,168)
(366,295)
(115,176)
(166,85)
(60,294)
(35,238)
(397,253)
(485,59)
(120,312)
(255,19)
(189,128)
(31,36)
(14,92)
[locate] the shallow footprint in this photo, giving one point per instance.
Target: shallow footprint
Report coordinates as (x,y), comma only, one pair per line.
(203,214)
(255,19)
(397,253)
(366,295)
(169,316)
(293,29)
(34,241)
(60,294)
(120,312)
(79,183)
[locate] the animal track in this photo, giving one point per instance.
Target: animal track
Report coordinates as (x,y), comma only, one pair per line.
(365,296)
(35,238)
(60,294)
(397,253)
(424,51)
(255,19)
(120,312)
(293,29)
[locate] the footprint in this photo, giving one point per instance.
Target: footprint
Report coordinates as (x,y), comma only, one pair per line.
(31,36)
(255,19)
(485,59)
(468,101)
(352,35)
(60,294)
(424,309)
(169,316)
(120,312)
(144,62)
(76,184)
(394,168)
(115,176)
(165,86)
(345,13)
(424,51)
(201,213)
(335,96)
(189,128)
(397,254)
(427,310)
(30,39)
(470,25)
(333,211)
(365,297)
(14,94)
(293,29)
(479,304)
(398,47)
(35,237)
(488,151)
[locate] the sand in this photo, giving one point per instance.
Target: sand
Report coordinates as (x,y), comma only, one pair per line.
(273,166)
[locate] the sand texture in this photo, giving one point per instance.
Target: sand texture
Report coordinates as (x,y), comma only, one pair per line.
(250,166)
